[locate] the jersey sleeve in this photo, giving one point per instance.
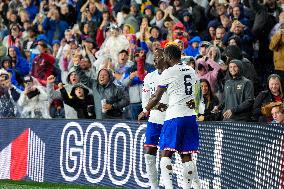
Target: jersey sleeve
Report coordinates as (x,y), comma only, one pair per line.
(146,92)
(165,79)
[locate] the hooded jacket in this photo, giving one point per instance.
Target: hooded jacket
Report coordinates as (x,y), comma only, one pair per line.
(83,107)
(114,95)
(211,75)
(239,96)
(190,51)
(248,70)
(70,113)
(22,65)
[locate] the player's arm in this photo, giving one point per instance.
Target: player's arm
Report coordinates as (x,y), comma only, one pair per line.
(145,94)
(153,101)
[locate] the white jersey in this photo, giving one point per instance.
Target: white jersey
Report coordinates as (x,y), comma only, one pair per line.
(151,82)
(179,81)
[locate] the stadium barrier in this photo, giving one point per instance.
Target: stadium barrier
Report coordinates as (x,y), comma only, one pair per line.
(110,153)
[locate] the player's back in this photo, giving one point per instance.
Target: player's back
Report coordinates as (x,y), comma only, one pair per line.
(179,80)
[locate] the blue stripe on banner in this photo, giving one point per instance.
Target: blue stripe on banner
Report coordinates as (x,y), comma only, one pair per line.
(110,153)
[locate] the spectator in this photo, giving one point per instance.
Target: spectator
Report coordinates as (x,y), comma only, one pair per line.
(188,22)
(273,94)
(8,97)
(206,101)
(193,48)
(18,61)
(238,95)
(121,66)
(53,26)
(189,60)
(238,14)
(15,78)
(14,38)
(113,44)
(43,64)
(264,21)
(80,100)
(72,79)
(116,98)
(234,52)
(277,113)
(214,54)
(158,20)
(203,71)
(244,34)
(133,79)
(33,100)
(56,109)
(104,89)
(218,41)
(277,46)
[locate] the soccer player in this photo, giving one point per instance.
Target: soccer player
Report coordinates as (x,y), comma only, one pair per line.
(156,117)
(180,130)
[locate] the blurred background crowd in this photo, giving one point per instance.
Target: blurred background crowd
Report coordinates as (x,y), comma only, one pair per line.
(88,59)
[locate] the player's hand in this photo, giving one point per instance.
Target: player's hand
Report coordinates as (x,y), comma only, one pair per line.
(162,107)
(190,104)
(201,118)
(227,114)
(142,115)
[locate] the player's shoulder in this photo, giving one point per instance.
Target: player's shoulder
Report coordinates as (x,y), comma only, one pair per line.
(150,75)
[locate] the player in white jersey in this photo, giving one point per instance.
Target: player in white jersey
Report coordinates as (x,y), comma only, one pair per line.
(156,117)
(180,130)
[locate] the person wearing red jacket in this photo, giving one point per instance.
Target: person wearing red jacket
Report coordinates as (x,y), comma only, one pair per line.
(43,64)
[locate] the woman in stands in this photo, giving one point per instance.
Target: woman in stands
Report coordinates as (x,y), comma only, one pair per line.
(206,101)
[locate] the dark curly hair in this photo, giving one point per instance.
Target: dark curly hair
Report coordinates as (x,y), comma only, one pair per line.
(173,52)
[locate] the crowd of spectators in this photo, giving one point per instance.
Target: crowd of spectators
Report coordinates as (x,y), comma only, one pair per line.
(88,58)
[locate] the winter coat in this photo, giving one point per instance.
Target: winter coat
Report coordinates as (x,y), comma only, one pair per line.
(210,76)
(8,99)
(114,95)
(239,96)
(81,106)
(22,65)
(277,46)
(264,97)
(54,29)
(208,115)
(35,107)
(43,66)
(135,85)
(70,113)
(190,51)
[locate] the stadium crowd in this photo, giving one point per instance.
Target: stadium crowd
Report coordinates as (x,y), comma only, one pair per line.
(88,59)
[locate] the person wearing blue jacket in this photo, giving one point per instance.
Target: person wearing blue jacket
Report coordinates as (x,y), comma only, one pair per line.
(193,48)
(53,26)
(18,61)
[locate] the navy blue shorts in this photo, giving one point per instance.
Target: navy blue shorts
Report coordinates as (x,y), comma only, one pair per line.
(180,134)
(153,132)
